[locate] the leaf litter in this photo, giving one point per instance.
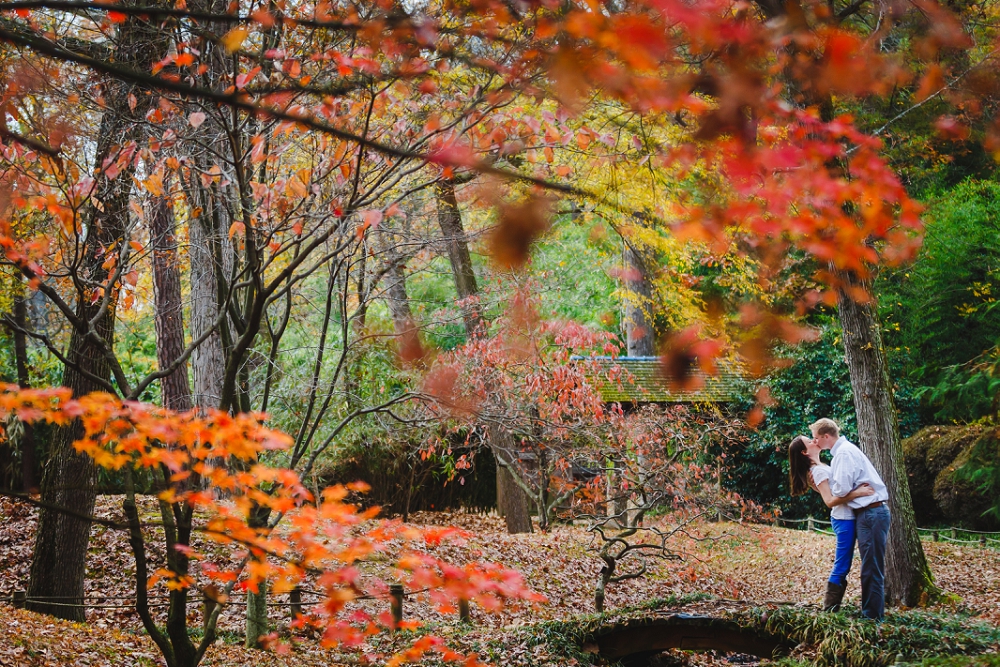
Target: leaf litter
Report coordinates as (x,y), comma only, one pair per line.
(738,564)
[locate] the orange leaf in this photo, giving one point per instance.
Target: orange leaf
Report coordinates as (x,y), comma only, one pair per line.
(233,40)
(931,82)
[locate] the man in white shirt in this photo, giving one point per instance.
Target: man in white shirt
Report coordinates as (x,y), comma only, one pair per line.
(850,467)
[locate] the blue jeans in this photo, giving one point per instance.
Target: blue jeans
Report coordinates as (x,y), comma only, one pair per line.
(843,529)
(873,533)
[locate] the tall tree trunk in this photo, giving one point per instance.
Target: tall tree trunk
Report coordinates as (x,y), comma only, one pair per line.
(70,480)
(908,579)
(396,297)
(209,252)
(513,503)
(19,312)
(169,307)
(208,360)
(457,244)
(639,335)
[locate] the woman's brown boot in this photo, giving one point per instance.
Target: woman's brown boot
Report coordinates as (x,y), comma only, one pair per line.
(834,596)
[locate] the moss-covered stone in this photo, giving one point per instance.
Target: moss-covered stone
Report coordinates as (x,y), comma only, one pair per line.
(941,494)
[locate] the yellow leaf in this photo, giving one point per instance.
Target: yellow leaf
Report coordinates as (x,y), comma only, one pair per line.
(233,40)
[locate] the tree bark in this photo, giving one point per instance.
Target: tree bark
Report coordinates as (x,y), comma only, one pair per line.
(59,559)
(210,254)
(256,616)
(908,579)
(512,503)
(169,308)
(396,297)
(457,244)
(640,338)
(70,480)
(208,361)
(19,312)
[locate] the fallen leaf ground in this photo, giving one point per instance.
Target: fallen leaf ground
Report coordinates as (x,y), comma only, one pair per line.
(738,564)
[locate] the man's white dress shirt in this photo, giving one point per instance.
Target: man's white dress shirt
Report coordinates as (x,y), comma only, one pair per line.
(850,468)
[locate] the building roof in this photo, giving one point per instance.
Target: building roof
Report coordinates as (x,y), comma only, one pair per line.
(643,381)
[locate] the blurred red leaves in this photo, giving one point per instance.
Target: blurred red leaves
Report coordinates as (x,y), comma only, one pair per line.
(442,383)
(410,348)
(519,226)
(686,356)
(764,329)
(566,70)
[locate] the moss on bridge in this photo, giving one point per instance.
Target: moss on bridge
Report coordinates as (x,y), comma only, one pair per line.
(912,637)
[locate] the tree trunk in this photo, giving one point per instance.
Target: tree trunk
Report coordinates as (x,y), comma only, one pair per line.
(256,616)
(512,502)
(396,297)
(457,244)
(639,335)
(29,476)
(208,361)
(908,579)
(70,480)
(169,308)
(209,253)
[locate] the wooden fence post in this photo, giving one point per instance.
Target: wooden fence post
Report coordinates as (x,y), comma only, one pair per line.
(396,604)
(295,602)
(464,615)
(809,524)
(20,599)
(937,536)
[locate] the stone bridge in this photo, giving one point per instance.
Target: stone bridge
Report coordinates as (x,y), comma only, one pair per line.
(633,642)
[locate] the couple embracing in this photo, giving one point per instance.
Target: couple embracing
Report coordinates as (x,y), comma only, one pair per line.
(859,503)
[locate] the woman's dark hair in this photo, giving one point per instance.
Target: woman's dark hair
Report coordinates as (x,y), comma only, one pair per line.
(798,466)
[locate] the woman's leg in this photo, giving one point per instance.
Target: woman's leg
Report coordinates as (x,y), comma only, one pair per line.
(846,538)
(843,529)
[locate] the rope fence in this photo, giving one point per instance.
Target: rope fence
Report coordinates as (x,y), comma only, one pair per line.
(949,534)
(397,595)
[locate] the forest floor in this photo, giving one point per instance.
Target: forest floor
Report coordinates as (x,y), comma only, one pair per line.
(739,565)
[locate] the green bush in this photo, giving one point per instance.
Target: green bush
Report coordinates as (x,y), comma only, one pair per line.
(941,312)
(989,660)
(927,454)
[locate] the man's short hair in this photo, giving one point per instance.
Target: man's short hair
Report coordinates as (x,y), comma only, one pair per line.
(825,426)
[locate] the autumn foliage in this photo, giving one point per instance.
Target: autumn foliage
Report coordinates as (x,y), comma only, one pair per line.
(295,137)
(213,462)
